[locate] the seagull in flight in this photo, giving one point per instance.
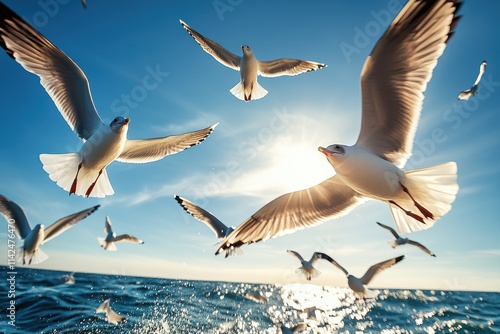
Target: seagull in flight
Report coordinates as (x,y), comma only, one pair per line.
(307,268)
(358,284)
(393,80)
(249,67)
(108,243)
(256,297)
(84,172)
(30,251)
(111,316)
(401,241)
(466,94)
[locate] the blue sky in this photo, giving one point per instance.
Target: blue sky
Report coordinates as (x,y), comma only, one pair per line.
(261,149)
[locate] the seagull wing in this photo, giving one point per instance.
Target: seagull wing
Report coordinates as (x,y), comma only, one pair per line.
(294,211)
(482,67)
(63,80)
(13,212)
(279,67)
(107,225)
(149,150)
(394,233)
(64,223)
(396,73)
(318,255)
(422,247)
(299,327)
(204,216)
(128,238)
(377,268)
(220,54)
(336,264)
(296,254)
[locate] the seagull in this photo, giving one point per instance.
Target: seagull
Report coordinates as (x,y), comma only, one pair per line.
(393,80)
(295,329)
(401,241)
(358,284)
(108,243)
(69,279)
(111,316)
(307,268)
(249,67)
(84,172)
(256,297)
(220,230)
(30,251)
(466,94)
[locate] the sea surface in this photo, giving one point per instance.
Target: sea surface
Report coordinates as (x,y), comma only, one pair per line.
(45,303)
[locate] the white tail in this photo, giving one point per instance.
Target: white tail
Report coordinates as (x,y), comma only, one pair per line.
(257,92)
(38,256)
(62,169)
(107,245)
(435,188)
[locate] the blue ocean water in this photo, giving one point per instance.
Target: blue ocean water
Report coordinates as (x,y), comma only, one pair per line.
(44,303)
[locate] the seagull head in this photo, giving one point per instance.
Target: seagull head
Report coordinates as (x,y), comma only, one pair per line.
(246,50)
(119,123)
(332,150)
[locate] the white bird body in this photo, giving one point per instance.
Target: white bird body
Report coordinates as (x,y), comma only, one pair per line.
(83,172)
(248,88)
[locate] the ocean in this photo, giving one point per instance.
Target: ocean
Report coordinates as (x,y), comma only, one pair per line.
(45,303)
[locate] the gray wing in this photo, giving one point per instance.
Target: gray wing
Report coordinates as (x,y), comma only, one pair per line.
(220,54)
(149,150)
(482,68)
(107,225)
(422,247)
(390,229)
(294,211)
(128,238)
(296,254)
(13,212)
(298,328)
(318,255)
(336,264)
(63,80)
(377,268)
(219,229)
(65,223)
(396,74)
(279,67)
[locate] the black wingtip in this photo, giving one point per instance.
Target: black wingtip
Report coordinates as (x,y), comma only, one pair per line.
(400,258)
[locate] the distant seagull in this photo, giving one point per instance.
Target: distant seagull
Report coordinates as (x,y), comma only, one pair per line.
(108,243)
(69,279)
(39,235)
(358,284)
(307,268)
(248,88)
(256,297)
(466,94)
(84,172)
(220,230)
(393,80)
(111,316)
(295,329)
(401,241)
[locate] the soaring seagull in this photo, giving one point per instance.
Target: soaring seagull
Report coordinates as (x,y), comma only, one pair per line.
(249,67)
(111,239)
(306,267)
(466,94)
(111,316)
(84,172)
(398,241)
(393,80)
(33,238)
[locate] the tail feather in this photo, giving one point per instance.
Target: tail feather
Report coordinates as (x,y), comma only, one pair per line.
(110,246)
(38,256)
(257,92)
(435,188)
(62,169)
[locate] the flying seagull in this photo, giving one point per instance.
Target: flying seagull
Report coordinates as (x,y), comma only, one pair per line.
(393,80)
(256,297)
(307,268)
(466,94)
(358,284)
(108,243)
(401,241)
(249,67)
(111,316)
(84,172)
(69,278)
(30,251)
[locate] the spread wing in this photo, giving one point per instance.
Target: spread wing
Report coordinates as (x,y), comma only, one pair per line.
(63,80)
(482,68)
(65,223)
(390,229)
(396,74)
(220,54)
(377,268)
(296,254)
(128,238)
(219,229)
(108,225)
(294,211)
(149,150)
(15,216)
(279,67)
(422,247)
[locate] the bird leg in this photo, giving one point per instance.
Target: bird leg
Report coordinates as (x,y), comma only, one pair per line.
(424,211)
(73,186)
(87,194)
(409,213)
